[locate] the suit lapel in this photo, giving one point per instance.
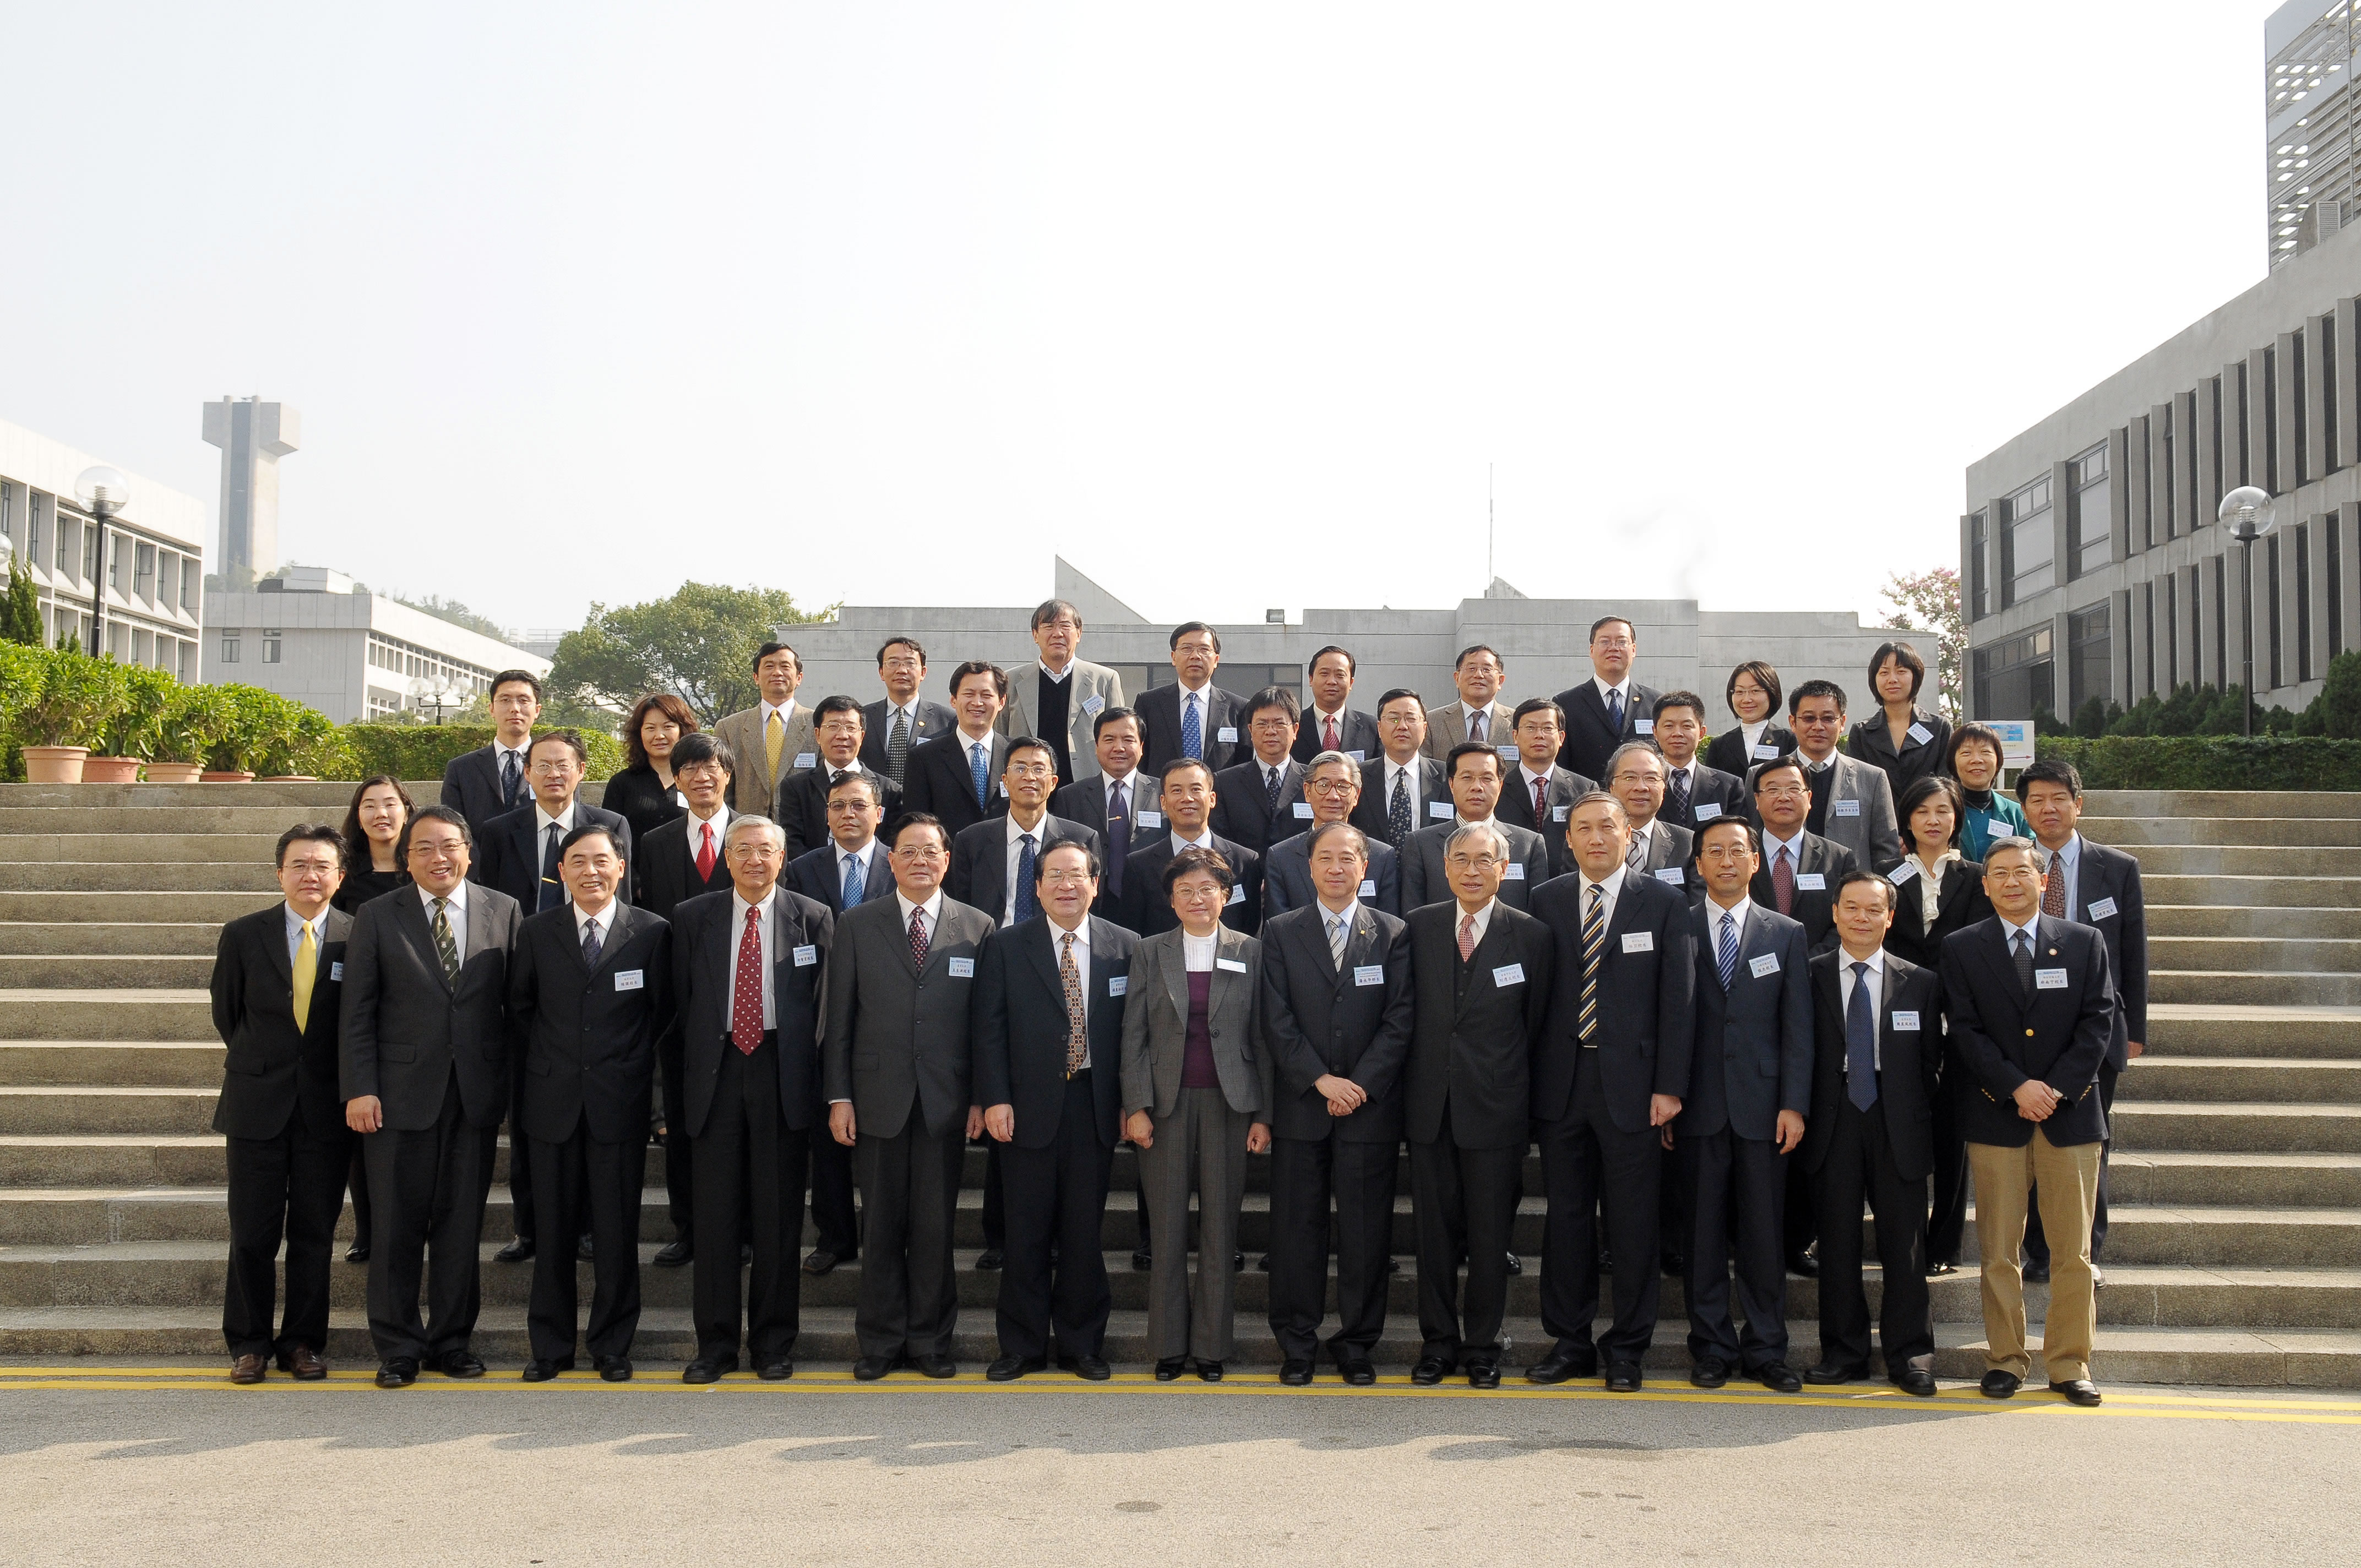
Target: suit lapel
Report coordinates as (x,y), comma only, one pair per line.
(411,913)
(1175,963)
(282,965)
(1042,947)
(1226,944)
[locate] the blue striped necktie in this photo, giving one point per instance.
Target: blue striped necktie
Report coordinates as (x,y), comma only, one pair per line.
(976,764)
(1192,727)
(856,880)
(1726,954)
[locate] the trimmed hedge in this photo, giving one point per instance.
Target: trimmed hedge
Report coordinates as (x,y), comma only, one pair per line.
(2208,762)
(423,751)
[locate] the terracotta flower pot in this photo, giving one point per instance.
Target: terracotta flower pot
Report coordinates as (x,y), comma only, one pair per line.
(174,773)
(211,775)
(54,764)
(110,770)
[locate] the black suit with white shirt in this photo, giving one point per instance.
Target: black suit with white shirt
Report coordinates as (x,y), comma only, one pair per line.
(477,783)
(801,810)
(1712,796)
(1590,735)
(664,877)
(980,873)
(940,780)
(1146,910)
(927,721)
(821,877)
(1092,802)
(1160,722)
(1420,777)
(1728,751)
(1356,731)
(1247,810)
(1562,790)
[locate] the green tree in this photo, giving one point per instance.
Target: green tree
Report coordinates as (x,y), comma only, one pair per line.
(20,612)
(699,644)
(1928,603)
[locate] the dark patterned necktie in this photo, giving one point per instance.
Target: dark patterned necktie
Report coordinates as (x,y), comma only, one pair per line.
(746,993)
(2053,891)
(1783,881)
(553,891)
(1541,802)
(1678,810)
(1026,902)
(1725,952)
(1615,711)
(591,947)
(1192,728)
(2023,947)
(1594,947)
(444,947)
(897,746)
(1399,823)
(919,937)
(1077,1038)
(1118,837)
(1270,777)
(512,781)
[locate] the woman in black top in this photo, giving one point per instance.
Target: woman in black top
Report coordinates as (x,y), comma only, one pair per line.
(1905,740)
(643,793)
(1753,697)
(380,809)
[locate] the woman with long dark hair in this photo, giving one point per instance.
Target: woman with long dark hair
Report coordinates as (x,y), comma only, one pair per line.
(643,793)
(380,809)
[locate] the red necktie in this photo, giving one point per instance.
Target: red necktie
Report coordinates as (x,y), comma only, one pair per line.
(1541,802)
(1328,735)
(1783,883)
(705,853)
(746,997)
(919,937)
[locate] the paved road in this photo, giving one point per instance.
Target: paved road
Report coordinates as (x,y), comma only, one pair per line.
(115,1464)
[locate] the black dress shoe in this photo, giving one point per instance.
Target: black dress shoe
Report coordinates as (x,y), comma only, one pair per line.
(2078,1391)
(520,1250)
(675,1255)
(1710,1372)
(1262,1264)
(1999,1385)
(1779,1377)
(356,1252)
(612,1368)
(1483,1375)
(1089,1368)
(1515,1264)
(585,1245)
(1167,1367)
(869,1368)
(460,1363)
(1357,1370)
(1009,1368)
(778,1371)
(542,1371)
(1803,1265)
(398,1373)
(987,1260)
(1939,1269)
(1562,1362)
(1141,1262)
(745,1254)
(1295,1371)
(819,1260)
(1606,1261)
(1393,1265)
(1914,1381)
(2037,1274)
(1672,1265)
(1210,1371)
(1827,1371)
(1430,1370)
(1623,1380)
(708,1369)
(936,1366)
(1238,1261)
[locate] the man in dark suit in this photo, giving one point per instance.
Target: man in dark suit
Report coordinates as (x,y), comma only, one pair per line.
(1635,775)
(802,809)
(1328,725)
(1336,1021)
(2099,887)
(1750,1081)
(955,778)
(1878,1055)
(1693,793)
(1481,976)
(892,728)
(278,981)
(2032,1017)
(1332,785)
(1402,787)
(1118,799)
(589,991)
(1611,1070)
(1539,793)
(1049,1053)
(1262,796)
(1192,718)
(1187,794)
(1610,707)
(899,1064)
(490,780)
(1800,869)
(424,1060)
(750,967)
(995,864)
(1473,773)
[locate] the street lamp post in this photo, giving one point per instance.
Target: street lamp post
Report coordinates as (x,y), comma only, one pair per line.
(2249,515)
(105,494)
(428,693)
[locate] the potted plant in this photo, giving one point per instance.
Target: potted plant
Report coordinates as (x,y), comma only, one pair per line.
(130,738)
(302,746)
(194,720)
(77,697)
(247,714)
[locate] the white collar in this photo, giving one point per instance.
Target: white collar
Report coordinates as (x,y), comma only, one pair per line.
(1188,690)
(606,918)
(1876,960)
(1040,830)
(1611,688)
(1203,840)
(933,906)
(1350,915)
(1057,675)
(1531,777)
(318,922)
(1611,884)
(1716,914)
(1058,933)
(543,821)
(843,854)
(2032,929)
(739,899)
(786,712)
(1773,844)
(1127,781)
(1411,767)
(457,898)
(1820,767)
(504,748)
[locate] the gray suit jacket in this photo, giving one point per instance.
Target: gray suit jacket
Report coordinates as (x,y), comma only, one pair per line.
(1423,881)
(743,733)
(1090,680)
(897,1038)
(1156,1023)
(406,1030)
(1871,832)
(1448,726)
(1671,847)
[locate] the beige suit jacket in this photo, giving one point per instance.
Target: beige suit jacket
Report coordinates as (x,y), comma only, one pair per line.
(1448,726)
(743,733)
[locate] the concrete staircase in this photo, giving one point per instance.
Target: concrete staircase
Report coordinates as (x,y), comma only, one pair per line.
(2235,1257)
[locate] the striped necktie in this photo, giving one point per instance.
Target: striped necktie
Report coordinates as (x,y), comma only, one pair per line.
(444,947)
(1594,947)
(1725,952)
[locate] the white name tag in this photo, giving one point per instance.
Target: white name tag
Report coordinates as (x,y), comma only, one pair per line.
(1764,754)
(1439,808)
(1358,756)
(805,759)
(1643,727)
(1919,733)
(1811,882)
(1091,705)
(1906,1021)
(804,957)
(1117,985)
(2101,910)
(1303,810)
(1368,887)
(1768,964)
(1368,974)
(1508,753)
(1557,813)
(1238,894)
(1508,974)
(1705,810)
(2049,980)
(1150,819)
(1903,872)
(1639,941)
(1233,965)
(1227,734)
(1514,871)
(962,969)
(628,980)
(1670,875)
(337,970)
(1845,807)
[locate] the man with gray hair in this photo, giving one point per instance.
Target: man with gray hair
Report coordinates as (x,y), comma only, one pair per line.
(1061,697)
(1332,785)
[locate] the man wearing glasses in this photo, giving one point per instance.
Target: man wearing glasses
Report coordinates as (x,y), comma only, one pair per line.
(1262,799)
(1332,786)
(1061,697)
(905,719)
(1610,707)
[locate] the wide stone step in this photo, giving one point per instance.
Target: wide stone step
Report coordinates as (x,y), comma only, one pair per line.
(2216,860)
(2306,890)
(2278,1079)
(169,876)
(2178,803)
(2138,832)
(109,938)
(93,971)
(2250,920)
(120,908)
(156,1064)
(2278,954)
(137,849)
(78,1109)
(2209,1028)
(117,1014)
(2182,1178)
(2237,1127)
(321,796)
(207,817)
(2289,988)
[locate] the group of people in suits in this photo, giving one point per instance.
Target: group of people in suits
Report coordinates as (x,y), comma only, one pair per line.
(819,959)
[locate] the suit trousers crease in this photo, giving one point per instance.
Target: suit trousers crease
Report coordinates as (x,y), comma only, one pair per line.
(1201,1144)
(1737,1198)
(747,1155)
(2067,1189)
(584,1185)
(1858,1168)
(1057,1197)
(1464,1201)
(908,1302)
(290,1186)
(1306,1173)
(2036,1239)
(1588,1163)
(427,1189)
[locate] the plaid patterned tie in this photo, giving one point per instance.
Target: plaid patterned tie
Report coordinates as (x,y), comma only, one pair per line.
(1466,937)
(1594,945)
(1077,1041)
(897,746)
(1678,809)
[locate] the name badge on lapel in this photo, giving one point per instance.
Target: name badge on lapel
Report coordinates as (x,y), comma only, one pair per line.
(1764,754)
(1764,965)
(1236,966)
(1557,813)
(1091,705)
(1811,882)
(1845,807)
(808,955)
(1508,753)
(805,759)
(1303,810)
(1705,810)
(2049,980)
(1903,872)
(629,980)
(1368,974)
(1508,975)
(1906,1021)
(1919,733)
(1118,984)
(336,969)
(1150,819)
(1514,871)
(1358,756)
(1227,734)
(1643,727)
(1439,808)
(2101,910)
(962,969)
(1237,893)
(1368,888)
(1671,876)
(1639,941)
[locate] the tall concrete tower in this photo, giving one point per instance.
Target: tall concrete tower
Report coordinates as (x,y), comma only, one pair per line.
(253,436)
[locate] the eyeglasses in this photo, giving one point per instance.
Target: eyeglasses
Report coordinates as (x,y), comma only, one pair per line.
(1782,792)
(1331,787)
(1065,879)
(1030,769)
(921,852)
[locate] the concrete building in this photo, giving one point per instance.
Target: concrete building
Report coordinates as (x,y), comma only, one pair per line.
(151,561)
(312,636)
(253,436)
(1542,641)
(2309,168)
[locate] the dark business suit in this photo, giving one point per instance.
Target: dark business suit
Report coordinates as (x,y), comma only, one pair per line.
(1356,731)
(979,874)
(663,879)
(1146,910)
(1753,1059)
(932,719)
(1815,905)
(1591,1105)
(1871,742)
(1959,903)
(1670,857)
(471,781)
(1353,1020)
(1470,1115)
(750,1116)
(1426,876)
(1728,751)
(1881,1156)
(436,1055)
(1371,813)
(641,799)
(1516,808)
(1243,810)
(288,1148)
(1159,724)
(817,876)
(801,810)
(899,1046)
(1055,1168)
(1085,801)
(1590,740)
(588,1038)
(1713,795)
(940,780)
(1287,877)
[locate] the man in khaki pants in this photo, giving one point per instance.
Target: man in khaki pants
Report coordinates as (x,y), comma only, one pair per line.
(2032,1013)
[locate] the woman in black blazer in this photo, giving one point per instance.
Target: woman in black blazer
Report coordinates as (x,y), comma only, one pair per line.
(1753,697)
(643,793)
(1901,739)
(380,809)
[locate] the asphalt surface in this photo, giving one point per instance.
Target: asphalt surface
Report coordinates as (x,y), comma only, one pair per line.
(167,1463)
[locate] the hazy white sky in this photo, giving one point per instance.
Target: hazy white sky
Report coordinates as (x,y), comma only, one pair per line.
(1229,304)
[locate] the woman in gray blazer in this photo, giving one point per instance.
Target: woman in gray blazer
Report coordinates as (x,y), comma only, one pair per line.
(1196,1093)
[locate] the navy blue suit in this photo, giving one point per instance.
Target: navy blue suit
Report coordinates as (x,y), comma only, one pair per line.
(1287,877)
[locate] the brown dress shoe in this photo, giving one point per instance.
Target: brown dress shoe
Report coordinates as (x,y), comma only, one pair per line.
(247,1369)
(304,1364)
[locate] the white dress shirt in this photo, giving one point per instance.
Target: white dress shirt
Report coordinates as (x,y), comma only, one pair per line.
(1039,833)
(1875,980)
(766,930)
(319,924)
(1526,780)
(1409,774)
(1203,840)
(1469,712)
(1201,699)
(1643,840)
(500,755)
(1792,847)
(786,712)
(1610,690)
(1686,772)
(1059,675)
(1129,784)
(454,914)
(542,822)
(604,920)
(2071,853)
(1735,915)
(720,822)
(1320,722)
(933,909)
(2032,929)
(1329,917)
(1930,884)
(1081,968)
(870,868)
(1482,918)
(1611,885)
(909,713)
(1198,953)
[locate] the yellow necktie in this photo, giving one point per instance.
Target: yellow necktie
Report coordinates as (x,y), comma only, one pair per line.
(307,965)
(774,735)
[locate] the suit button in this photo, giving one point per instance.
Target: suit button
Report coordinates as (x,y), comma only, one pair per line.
(2028,1034)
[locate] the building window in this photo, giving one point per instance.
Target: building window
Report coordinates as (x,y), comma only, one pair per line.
(112,544)
(2332,562)
(2089,669)
(2271,588)
(2017,677)
(69,548)
(1979,548)
(142,645)
(229,648)
(2303,602)
(190,585)
(143,571)
(188,655)
(2088,522)
(8,514)
(270,647)
(2029,544)
(35,516)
